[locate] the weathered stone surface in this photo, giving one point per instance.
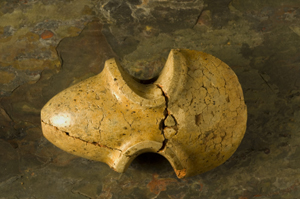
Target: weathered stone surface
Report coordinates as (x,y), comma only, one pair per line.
(9,162)
(6,77)
(129,21)
(165,15)
(29,33)
(193,114)
(90,52)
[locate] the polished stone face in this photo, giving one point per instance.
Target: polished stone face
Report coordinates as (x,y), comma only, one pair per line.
(194,115)
(47,46)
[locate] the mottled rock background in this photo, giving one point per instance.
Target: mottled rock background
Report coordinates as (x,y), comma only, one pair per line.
(48,45)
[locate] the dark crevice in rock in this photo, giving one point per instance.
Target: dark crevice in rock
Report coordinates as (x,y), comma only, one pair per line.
(198,17)
(167,114)
(166,111)
(163,145)
(80,193)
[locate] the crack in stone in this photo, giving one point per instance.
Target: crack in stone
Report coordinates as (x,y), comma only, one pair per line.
(167,113)
(266,82)
(99,125)
(126,120)
(164,144)
(79,193)
(87,142)
(10,180)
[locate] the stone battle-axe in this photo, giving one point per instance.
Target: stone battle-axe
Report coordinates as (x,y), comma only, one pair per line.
(193,114)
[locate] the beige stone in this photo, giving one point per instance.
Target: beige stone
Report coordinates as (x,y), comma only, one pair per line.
(194,115)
